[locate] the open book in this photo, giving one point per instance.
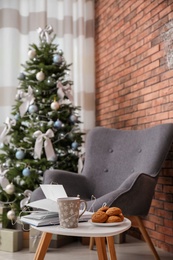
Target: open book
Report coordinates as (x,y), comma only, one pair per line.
(49,207)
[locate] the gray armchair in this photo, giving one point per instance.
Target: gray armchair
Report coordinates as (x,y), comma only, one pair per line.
(121,169)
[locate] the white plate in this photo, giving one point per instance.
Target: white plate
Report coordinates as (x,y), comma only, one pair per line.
(107,224)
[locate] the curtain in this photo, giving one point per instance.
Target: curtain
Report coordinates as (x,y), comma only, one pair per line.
(73,24)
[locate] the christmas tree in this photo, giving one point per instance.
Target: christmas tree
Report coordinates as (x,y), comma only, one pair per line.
(43,131)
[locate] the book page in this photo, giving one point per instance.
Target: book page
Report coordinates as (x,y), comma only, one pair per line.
(53,192)
(45,204)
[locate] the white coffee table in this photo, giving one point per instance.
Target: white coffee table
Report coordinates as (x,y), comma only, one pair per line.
(85,229)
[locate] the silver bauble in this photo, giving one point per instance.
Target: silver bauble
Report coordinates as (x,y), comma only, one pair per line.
(31,54)
(11,214)
(54,105)
(10,188)
(40,76)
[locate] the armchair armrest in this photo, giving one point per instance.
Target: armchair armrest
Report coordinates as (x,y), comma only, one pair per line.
(125,196)
(74,183)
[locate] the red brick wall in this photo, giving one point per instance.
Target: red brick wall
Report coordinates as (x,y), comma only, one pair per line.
(134,87)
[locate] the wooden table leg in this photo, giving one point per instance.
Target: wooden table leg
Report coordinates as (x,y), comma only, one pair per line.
(101,248)
(43,246)
(91,243)
(110,242)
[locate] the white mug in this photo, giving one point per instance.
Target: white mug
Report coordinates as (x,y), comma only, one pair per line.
(69,211)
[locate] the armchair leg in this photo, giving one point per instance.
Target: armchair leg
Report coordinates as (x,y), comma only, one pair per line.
(137,222)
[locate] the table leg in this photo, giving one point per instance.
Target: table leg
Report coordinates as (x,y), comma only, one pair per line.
(101,248)
(110,242)
(91,243)
(43,246)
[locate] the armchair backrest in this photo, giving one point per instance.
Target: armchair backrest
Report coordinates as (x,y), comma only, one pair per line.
(113,155)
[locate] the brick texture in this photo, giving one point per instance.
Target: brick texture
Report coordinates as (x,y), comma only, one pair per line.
(134,87)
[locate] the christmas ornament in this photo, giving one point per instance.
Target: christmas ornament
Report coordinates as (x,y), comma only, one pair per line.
(44,139)
(17,116)
(60,52)
(26,172)
(57,124)
(73,118)
(21,76)
(10,188)
(71,136)
(54,105)
(20,154)
(11,214)
(1,145)
(45,33)
(57,59)
(74,145)
(40,76)
(31,54)
(50,82)
(38,91)
(32,109)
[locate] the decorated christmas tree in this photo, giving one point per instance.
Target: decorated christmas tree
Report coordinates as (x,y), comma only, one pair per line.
(43,130)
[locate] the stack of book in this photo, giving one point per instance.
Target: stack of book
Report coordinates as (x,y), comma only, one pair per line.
(47,218)
(39,219)
(49,209)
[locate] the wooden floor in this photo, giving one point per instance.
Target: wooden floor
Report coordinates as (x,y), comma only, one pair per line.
(132,249)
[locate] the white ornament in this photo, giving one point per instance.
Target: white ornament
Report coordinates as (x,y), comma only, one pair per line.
(11,214)
(54,105)
(3,182)
(40,76)
(10,188)
(1,145)
(31,54)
